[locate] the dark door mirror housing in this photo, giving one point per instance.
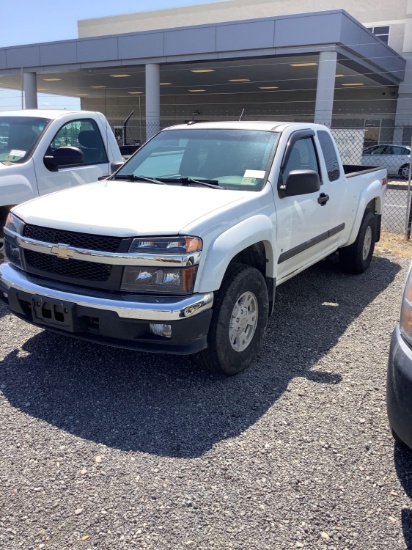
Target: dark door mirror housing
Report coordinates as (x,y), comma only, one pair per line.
(302,182)
(64,156)
(116,165)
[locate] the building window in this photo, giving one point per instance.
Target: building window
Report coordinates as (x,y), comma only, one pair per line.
(380,32)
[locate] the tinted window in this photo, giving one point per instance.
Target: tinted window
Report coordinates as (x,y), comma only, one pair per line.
(302,157)
(379,150)
(329,154)
(396,150)
(83,134)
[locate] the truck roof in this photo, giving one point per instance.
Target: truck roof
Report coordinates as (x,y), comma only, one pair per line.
(51,114)
(267,125)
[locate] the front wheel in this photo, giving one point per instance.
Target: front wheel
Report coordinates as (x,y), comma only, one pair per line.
(238,323)
(357,257)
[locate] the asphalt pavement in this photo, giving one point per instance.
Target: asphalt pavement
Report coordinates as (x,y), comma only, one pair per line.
(111,449)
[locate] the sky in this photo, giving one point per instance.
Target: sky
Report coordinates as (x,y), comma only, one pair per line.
(32,21)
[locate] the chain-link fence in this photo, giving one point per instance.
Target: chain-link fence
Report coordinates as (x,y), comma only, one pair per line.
(389,147)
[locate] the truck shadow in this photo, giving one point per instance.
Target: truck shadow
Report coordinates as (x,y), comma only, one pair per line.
(403,465)
(163,404)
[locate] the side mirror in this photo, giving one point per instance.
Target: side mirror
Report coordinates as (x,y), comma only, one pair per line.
(116,165)
(64,156)
(302,182)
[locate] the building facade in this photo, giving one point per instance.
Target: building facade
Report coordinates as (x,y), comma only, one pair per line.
(280,59)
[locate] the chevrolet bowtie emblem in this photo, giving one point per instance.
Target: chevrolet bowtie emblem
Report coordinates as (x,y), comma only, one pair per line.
(62,251)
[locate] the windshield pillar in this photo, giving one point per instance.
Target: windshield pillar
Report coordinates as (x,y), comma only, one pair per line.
(30,90)
(152,99)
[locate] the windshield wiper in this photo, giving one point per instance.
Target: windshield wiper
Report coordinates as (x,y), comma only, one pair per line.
(133,177)
(184,180)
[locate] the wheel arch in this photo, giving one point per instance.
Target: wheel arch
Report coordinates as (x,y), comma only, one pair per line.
(367,204)
(249,243)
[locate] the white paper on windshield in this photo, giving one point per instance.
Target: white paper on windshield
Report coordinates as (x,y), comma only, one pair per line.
(15,154)
(254,174)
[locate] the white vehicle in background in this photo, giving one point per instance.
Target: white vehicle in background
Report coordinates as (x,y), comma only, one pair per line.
(46,151)
(395,158)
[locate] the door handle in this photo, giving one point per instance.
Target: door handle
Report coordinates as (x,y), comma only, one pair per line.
(323,199)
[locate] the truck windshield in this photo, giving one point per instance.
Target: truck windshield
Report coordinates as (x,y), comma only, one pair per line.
(229,159)
(18,137)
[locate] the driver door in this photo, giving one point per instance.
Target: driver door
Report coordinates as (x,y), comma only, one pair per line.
(303,220)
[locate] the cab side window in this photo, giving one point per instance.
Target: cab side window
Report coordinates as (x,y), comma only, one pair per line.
(83,134)
(329,154)
(302,157)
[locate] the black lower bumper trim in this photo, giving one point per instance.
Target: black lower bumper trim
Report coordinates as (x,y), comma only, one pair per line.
(188,335)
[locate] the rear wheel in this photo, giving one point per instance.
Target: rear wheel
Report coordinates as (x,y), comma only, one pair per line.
(404,171)
(357,257)
(238,323)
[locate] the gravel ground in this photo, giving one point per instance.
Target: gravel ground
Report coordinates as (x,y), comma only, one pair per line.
(110,449)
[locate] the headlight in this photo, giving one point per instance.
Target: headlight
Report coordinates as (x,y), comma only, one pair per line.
(162,278)
(166,245)
(406,309)
(15,224)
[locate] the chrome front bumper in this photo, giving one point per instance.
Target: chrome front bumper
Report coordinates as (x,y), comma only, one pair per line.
(143,307)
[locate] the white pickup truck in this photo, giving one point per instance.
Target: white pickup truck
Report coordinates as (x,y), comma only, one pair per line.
(181,250)
(45,151)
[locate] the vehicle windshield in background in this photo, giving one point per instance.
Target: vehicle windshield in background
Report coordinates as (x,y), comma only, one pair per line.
(230,159)
(18,136)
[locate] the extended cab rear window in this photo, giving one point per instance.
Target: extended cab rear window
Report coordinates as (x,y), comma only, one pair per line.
(329,154)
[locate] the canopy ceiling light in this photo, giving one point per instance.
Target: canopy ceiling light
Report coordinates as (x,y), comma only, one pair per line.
(309,64)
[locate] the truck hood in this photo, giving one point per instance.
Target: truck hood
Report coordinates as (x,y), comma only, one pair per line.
(126,209)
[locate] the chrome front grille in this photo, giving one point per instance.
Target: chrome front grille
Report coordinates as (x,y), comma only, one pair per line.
(79,240)
(72,269)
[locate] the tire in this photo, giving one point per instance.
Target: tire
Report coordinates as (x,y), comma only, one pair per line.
(396,437)
(238,323)
(357,257)
(404,171)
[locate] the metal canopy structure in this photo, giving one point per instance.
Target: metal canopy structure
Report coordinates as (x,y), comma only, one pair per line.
(249,56)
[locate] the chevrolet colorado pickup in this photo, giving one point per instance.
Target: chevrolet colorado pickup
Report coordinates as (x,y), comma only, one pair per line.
(181,250)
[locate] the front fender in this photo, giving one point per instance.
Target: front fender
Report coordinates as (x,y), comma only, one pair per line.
(227,245)
(17,183)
